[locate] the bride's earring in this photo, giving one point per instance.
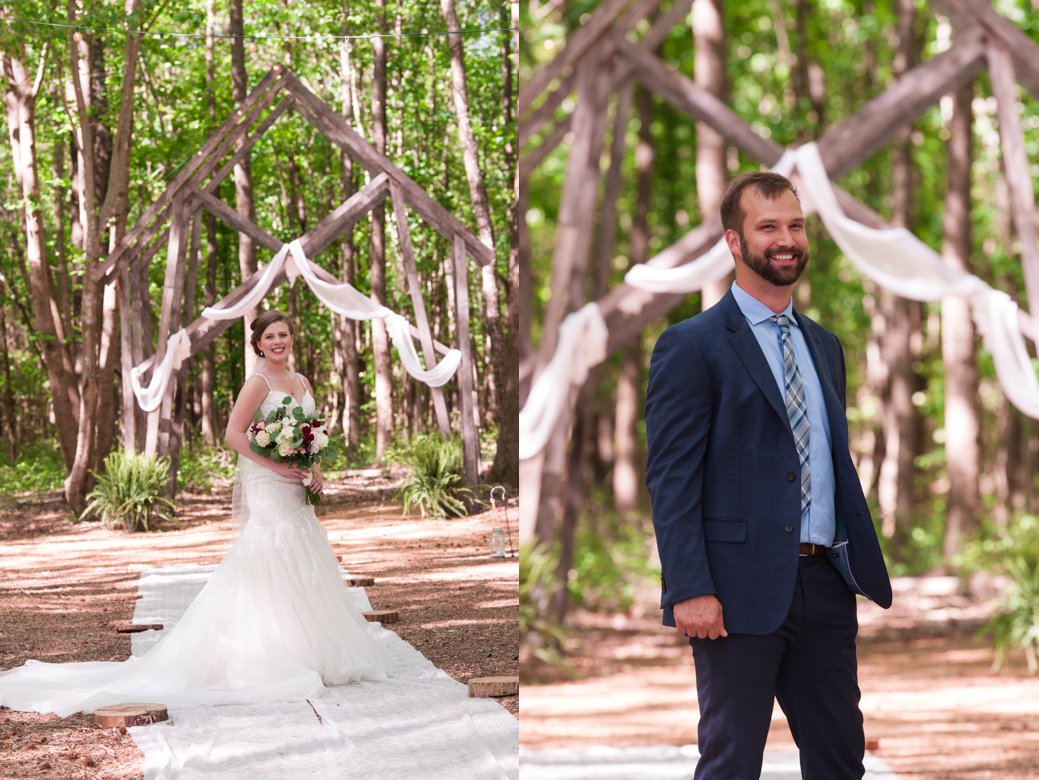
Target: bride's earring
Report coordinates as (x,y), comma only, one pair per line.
(261,353)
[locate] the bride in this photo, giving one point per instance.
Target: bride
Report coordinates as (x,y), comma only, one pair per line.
(275,619)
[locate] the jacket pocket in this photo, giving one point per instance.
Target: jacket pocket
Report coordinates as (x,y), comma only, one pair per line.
(718,530)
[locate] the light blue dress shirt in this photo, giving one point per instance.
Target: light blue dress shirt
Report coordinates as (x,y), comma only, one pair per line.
(821,516)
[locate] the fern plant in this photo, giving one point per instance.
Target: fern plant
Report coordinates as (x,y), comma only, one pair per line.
(434,481)
(131,492)
(1017,622)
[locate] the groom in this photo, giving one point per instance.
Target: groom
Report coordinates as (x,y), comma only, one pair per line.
(763,530)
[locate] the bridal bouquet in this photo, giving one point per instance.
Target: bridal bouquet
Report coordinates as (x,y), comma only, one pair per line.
(287,434)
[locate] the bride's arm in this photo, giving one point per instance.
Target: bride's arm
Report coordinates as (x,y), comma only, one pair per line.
(242,415)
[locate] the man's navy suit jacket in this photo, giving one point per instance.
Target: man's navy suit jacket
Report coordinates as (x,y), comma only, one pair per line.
(724,474)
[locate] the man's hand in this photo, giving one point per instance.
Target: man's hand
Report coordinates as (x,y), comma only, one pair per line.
(701,617)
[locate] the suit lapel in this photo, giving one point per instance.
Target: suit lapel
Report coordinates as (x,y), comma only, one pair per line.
(749,352)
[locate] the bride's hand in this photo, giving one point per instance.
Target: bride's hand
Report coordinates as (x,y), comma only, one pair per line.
(292,472)
(317,482)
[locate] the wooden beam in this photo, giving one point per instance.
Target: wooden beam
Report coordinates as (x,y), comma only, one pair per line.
(346,215)
(577,207)
(339,132)
(203,159)
(172,293)
(856,139)
(1023,50)
(221,210)
(845,145)
(578,42)
(466,404)
(1016,168)
(283,105)
(532,123)
(418,303)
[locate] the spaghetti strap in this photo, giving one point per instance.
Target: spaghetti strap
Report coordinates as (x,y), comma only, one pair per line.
(265,379)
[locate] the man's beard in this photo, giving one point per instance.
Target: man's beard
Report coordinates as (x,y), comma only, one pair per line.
(781,276)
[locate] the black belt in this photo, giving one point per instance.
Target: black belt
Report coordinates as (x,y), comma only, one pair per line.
(807,549)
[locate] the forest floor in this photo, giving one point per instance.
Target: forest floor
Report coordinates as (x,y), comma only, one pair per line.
(934,707)
(64,586)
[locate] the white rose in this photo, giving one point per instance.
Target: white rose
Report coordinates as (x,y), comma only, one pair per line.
(263,438)
(321,439)
(273,428)
(287,433)
(284,449)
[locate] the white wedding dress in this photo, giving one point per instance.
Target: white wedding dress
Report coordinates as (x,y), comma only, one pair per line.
(274,621)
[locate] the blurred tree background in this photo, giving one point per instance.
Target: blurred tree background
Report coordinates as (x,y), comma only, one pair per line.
(948,464)
(107,101)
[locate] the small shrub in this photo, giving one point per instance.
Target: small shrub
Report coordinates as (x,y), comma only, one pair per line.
(131,492)
(434,481)
(1016,552)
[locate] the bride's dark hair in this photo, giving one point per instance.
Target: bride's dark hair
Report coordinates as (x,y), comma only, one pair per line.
(264,321)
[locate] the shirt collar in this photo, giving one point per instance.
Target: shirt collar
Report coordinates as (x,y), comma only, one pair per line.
(755,311)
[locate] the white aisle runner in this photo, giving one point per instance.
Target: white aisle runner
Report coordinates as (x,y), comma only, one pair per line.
(661,762)
(419,724)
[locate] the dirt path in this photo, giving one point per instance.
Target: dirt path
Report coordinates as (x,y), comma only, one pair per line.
(62,587)
(933,706)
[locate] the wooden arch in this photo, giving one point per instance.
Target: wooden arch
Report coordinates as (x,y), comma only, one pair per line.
(613,49)
(173,221)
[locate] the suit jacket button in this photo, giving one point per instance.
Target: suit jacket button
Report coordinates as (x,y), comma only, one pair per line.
(789,528)
(790,476)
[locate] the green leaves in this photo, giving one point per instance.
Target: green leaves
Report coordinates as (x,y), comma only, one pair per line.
(434,484)
(131,492)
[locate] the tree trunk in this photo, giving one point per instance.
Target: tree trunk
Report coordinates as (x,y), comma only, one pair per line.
(962,413)
(902,326)
(345,329)
(207,374)
(243,177)
(20,107)
(505,467)
(711,171)
(98,352)
(8,414)
(377,273)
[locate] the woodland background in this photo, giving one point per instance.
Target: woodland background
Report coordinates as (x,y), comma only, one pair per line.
(99,120)
(948,464)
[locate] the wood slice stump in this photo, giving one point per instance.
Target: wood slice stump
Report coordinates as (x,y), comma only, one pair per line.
(127,715)
(480,687)
(133,628)
(360,582)
(381,616)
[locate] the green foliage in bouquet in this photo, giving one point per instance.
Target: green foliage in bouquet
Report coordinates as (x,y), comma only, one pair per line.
(434,482)
(1016,552)
(287,434)
(131,492)
(275,422)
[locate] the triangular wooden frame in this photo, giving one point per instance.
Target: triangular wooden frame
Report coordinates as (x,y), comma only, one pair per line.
(173,221)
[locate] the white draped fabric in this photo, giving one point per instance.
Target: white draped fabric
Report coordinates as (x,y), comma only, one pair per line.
(178,349)
(582,345)
(893,257)
(340,297)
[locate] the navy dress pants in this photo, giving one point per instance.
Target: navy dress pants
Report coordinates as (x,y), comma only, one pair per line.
(808,665)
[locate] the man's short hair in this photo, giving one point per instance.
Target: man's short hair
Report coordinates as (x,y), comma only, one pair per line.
(768,183)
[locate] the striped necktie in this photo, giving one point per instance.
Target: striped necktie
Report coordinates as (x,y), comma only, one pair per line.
(796,411)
